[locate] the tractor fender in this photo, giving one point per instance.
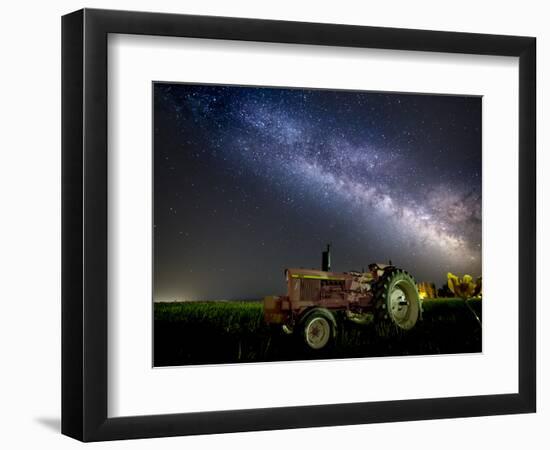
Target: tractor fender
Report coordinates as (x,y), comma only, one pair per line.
(323,312)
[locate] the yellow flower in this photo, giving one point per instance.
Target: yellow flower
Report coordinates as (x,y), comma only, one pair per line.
(462,287)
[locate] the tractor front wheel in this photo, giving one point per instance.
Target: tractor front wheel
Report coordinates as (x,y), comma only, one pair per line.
(318,329)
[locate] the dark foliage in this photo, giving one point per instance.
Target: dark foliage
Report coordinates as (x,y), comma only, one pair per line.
(234,332)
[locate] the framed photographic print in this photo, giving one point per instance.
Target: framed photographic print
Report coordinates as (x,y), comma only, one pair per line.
(274,224)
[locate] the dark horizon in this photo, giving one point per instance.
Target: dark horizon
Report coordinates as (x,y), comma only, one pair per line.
(251,180)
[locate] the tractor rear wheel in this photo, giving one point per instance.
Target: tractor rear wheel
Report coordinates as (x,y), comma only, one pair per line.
(397,301)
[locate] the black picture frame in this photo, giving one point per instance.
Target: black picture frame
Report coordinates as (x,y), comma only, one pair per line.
(84,224)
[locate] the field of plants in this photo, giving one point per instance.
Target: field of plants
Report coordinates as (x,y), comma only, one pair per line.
(234,332)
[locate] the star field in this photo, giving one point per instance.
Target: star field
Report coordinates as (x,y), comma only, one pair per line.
(248,181)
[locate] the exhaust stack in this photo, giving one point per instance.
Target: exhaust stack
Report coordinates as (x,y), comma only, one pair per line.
(325,264)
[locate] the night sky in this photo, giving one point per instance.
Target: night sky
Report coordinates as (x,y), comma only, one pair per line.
(249,181)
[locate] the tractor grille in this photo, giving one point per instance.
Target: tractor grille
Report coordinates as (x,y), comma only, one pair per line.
(310,290)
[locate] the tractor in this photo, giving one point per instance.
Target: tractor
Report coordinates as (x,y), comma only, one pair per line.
(317,299)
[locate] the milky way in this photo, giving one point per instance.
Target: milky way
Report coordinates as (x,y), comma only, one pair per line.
(249,181)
